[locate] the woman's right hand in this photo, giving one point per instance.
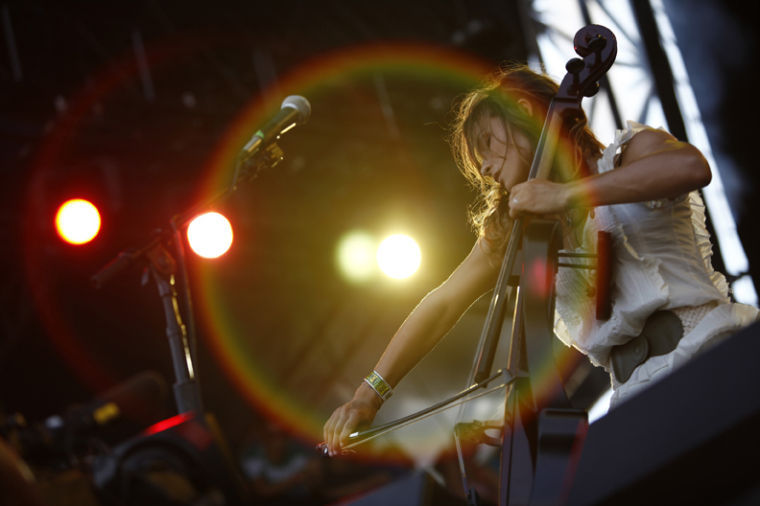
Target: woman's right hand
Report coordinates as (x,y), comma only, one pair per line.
(359,411)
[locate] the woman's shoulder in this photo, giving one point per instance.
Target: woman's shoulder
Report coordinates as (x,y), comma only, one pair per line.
(632,142)
(646,140)
(639,133)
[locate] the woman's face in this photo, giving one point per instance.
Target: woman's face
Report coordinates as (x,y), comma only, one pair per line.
(503,157)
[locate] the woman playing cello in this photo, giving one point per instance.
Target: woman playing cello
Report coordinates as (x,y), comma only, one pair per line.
(640,189)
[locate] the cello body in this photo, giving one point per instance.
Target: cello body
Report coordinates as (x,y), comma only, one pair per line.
(542,434)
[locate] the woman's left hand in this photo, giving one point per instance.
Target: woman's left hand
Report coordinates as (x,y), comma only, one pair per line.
(539,197)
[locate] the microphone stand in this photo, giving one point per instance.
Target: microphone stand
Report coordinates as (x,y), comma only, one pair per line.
(163,268)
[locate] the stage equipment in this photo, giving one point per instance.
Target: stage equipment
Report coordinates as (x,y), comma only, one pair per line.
(295,110)
(181,460)
(690,438)
(64,439)
(189,463)
(210,235)
(261,152)
(77,221)
(60,449)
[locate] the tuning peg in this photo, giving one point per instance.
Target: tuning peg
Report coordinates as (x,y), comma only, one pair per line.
(574,65)
(597,43)
(587,42)
(591,89)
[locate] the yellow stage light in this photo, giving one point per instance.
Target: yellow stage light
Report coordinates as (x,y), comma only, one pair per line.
(355,256)
(399,256)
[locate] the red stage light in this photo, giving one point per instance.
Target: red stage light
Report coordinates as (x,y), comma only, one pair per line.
(210,235)
(77,221)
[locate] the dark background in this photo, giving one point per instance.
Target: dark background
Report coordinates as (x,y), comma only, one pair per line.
(77,118)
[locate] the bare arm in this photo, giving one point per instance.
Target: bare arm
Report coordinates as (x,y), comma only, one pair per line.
(654,165)
(438,311)
(420,332)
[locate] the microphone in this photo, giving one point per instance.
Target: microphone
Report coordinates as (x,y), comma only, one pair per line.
(295,111)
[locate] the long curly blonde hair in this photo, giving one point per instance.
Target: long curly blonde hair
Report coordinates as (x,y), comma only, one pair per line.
(498,97)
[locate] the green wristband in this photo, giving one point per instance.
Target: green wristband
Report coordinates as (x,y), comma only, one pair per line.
(379,385)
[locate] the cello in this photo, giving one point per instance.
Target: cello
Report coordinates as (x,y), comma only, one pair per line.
(540,439)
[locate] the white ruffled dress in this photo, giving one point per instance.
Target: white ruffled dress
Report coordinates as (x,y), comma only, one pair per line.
(661,255)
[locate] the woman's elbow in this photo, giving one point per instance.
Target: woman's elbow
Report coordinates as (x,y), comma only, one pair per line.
(698,171)
(701,171)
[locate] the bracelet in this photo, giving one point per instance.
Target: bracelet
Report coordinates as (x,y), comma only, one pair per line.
(379,385)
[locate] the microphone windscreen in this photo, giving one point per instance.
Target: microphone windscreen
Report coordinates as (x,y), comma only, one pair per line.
(301,105)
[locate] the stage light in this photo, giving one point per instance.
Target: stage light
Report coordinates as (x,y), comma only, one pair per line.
(398,256)
(209,235)
(77,221)
(355,256)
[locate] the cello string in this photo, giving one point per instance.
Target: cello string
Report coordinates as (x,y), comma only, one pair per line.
(510,295)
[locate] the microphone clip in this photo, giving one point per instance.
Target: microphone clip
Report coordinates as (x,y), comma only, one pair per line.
(248,166)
